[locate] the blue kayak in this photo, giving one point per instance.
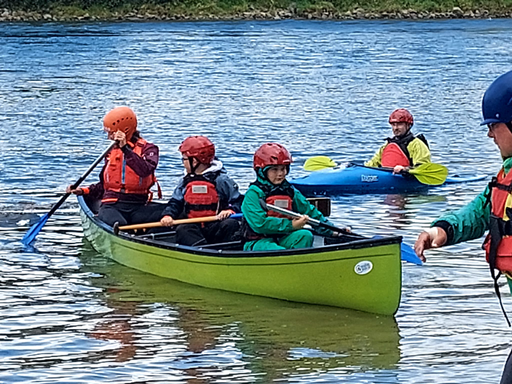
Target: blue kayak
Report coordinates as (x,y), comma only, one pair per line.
(358,179)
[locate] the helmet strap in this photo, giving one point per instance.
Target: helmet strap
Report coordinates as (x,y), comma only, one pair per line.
(509,126)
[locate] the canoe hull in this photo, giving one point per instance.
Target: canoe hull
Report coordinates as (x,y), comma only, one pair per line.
(357,179)
(365,276)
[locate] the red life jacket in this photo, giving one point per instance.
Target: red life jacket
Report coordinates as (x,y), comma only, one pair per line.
(498,243)
(118,177)
(281,201)
(201,197)
(393,155)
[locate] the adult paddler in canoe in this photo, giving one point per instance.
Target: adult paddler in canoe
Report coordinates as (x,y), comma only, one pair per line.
(342,269)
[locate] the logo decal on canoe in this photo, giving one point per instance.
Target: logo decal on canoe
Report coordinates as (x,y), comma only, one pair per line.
(369,178)
(363,267)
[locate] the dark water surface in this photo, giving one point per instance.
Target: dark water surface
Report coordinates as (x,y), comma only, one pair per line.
(320,88)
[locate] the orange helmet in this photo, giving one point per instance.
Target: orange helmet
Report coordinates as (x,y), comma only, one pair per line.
(199,147)
(271,154)
(401,115)
(121,119)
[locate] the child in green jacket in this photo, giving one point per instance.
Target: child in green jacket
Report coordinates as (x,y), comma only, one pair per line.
(267,230)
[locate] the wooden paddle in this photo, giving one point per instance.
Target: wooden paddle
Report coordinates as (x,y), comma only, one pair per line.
(406,254)
(31,234)
(157,224)
(428,173)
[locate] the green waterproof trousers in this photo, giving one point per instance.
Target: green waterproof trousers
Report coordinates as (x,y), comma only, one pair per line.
(297,239)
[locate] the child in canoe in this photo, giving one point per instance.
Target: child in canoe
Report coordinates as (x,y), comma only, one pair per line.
(205,190)
(267,230)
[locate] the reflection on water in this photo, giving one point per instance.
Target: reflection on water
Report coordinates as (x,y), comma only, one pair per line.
(320,88)
(267,337)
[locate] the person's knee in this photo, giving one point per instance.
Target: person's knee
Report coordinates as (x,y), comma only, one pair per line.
(230,225)
(304,234)
(110,216)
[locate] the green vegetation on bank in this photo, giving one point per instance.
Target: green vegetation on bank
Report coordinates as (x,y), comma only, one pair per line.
(204,9)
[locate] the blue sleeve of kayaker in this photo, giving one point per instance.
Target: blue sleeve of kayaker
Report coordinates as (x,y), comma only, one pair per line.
(258,219)
(467,223)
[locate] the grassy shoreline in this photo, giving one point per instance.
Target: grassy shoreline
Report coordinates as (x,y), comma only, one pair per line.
(67,10)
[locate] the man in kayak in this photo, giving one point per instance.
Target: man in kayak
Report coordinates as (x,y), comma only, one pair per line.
(267,230)
(492,209)
(205,190)
(128,173)
(403,150)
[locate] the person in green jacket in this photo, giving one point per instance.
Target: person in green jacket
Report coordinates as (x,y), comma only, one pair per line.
(492,209)
(267,230)
(403,150)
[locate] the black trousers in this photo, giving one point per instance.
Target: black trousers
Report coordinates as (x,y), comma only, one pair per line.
(208,233)
(129,213)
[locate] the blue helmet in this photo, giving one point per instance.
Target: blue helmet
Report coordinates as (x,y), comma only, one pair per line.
(497,101)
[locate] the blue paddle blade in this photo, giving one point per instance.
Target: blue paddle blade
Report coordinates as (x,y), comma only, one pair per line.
(31,234)
(409,255)
(406,253)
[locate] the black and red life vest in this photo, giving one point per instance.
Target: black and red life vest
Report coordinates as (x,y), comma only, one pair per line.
(118,177)
(396,151)
(201,197)
(498,243)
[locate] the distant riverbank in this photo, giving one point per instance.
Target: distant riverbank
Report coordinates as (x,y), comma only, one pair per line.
(133,10)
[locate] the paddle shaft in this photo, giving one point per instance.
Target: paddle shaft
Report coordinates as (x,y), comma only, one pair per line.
(36,228)
(157,224)
(82,178)
(318,223)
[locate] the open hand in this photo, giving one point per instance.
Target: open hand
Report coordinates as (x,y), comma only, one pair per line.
(434,237)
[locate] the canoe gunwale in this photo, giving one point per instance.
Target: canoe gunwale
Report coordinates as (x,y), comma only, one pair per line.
(356,244)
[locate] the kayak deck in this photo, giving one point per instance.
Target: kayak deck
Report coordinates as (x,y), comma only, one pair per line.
(358,179)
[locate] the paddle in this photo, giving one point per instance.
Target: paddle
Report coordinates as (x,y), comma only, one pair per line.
(36,228)
(157,224)
(428,173)
(407,253)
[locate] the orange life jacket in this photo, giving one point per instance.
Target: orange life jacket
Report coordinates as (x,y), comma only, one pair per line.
(201,197)
(118,177)
(498,243)
(393,155)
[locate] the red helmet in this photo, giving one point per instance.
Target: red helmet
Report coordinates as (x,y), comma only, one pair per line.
(401,115)
(121,119)
(199,147)
(271,154)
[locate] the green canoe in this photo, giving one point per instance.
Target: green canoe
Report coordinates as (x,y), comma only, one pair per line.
(362,274)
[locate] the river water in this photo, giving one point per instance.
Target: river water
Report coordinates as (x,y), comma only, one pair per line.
(320,88)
